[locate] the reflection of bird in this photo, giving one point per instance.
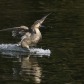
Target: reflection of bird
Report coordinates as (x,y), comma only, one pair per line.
(28,38)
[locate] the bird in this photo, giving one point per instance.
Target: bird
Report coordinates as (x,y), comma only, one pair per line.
(29,37)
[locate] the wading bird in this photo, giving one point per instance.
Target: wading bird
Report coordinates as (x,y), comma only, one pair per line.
(28,37)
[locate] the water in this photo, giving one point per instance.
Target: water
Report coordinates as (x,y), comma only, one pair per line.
(63,37)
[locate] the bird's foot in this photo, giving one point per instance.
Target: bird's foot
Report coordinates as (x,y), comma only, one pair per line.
(16,44)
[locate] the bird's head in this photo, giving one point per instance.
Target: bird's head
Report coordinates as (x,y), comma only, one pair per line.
(39,22)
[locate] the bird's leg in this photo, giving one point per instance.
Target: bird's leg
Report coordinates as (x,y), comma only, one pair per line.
(28,48)
(33,52)
(19,44)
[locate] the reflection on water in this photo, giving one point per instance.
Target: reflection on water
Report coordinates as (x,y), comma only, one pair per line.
(28,69)
(33,69)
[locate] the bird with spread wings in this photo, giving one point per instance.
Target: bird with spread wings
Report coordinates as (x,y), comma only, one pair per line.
(29,37)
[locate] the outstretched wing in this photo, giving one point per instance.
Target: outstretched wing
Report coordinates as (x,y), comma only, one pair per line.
(17,31)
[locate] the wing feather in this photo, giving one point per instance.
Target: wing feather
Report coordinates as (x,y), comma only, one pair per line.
(17,31)
(16,28)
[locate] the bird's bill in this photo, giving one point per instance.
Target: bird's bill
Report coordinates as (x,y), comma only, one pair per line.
(41,21)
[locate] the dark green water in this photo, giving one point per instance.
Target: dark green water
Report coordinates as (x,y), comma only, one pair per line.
(63,34)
